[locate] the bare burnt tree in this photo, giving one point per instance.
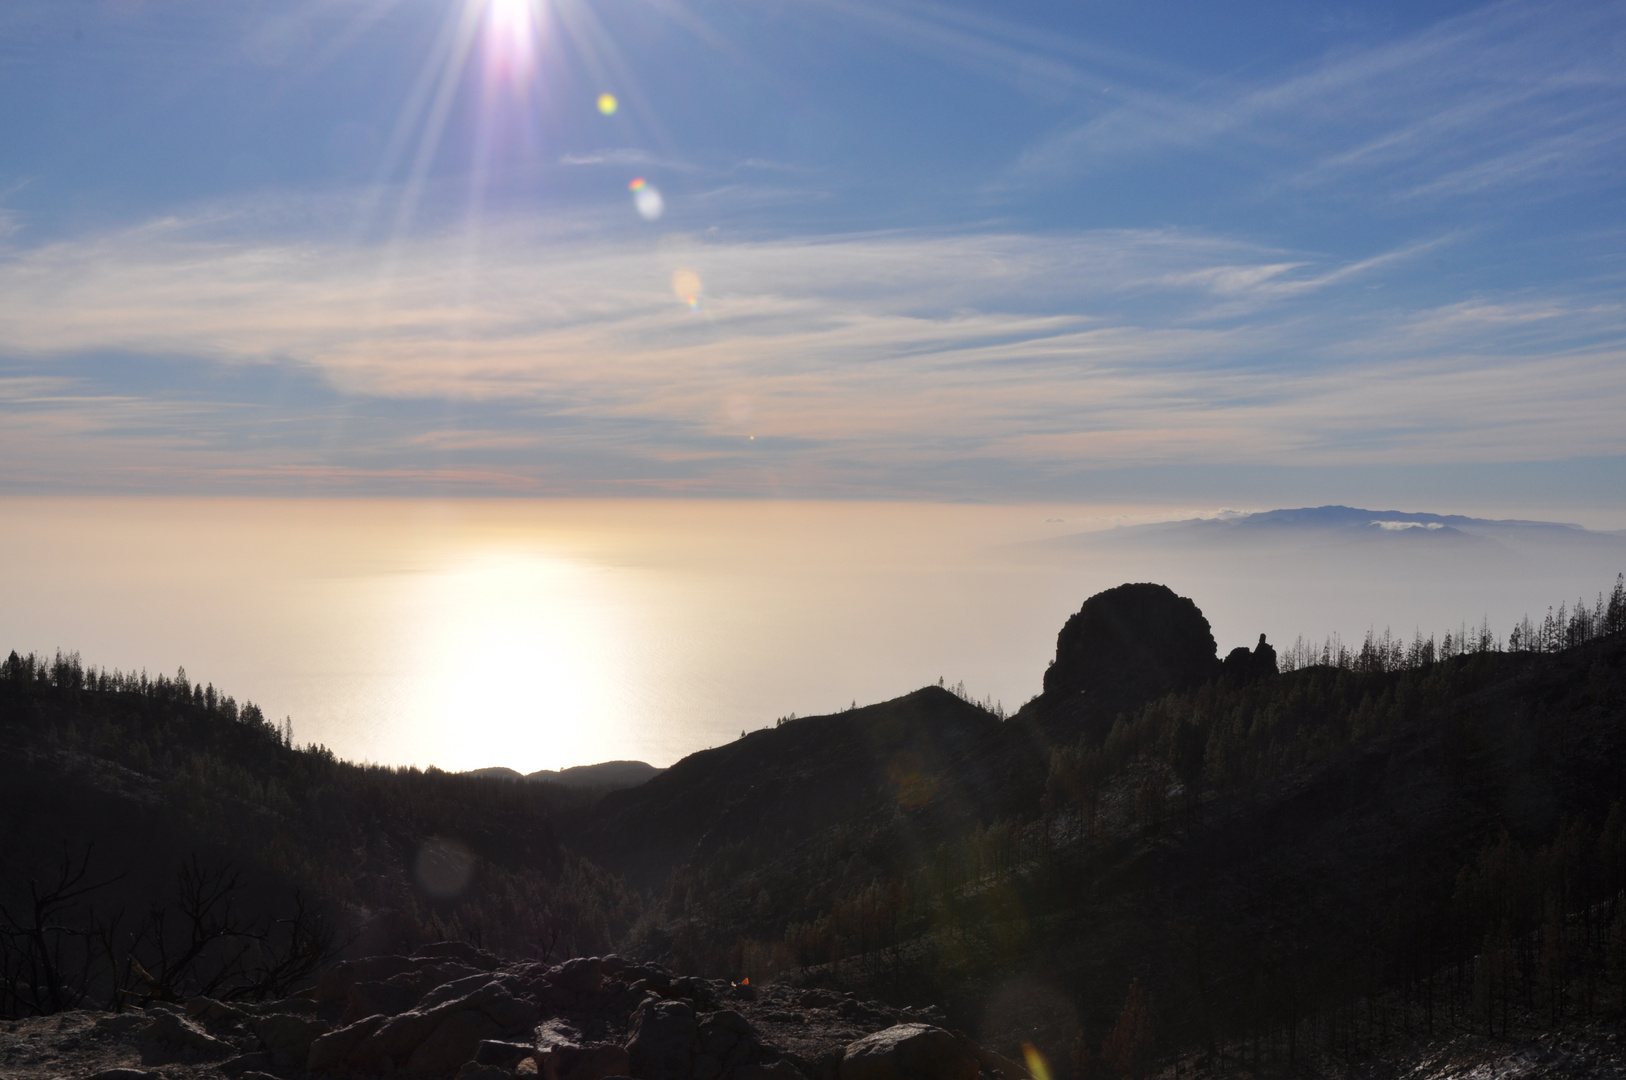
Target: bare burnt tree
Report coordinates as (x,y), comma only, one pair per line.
(57,951)
(203,945)
(52,948)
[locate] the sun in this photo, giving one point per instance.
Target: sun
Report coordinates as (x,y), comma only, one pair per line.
(510,16)
(512,29)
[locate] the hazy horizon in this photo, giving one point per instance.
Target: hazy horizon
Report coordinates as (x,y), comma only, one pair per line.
(545,634)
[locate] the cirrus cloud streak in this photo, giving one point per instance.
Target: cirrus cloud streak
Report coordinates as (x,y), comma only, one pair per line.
(514,355)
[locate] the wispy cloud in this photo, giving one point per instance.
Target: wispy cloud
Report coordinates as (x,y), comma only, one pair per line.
(1516,93)
(626,157)
(853,361)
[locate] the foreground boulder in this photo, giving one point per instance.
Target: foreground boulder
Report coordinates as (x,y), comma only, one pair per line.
(662,1041)
(584,975)
(434,1040)
(585,1062)
(908,1052)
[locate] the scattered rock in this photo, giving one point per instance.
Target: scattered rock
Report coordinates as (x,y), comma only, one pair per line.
(908,1052)
(585,1062)
(518,1021)
(775,1070)
(452,991)
(122,1073)
(473,1071)
(461,951)
(119,1023)
(334,985)
(503,1055)
(259,1061)
(698,991)
(452,1043)
(1000,1066)
(662,1040)
(425,1041)
(294,1006)
(584,975)
(372,997)
(202,1008)
(289,1034)
(819,998)
(394,1041)
(170,1035)
(653,977)
(558,1031)
(331,1050)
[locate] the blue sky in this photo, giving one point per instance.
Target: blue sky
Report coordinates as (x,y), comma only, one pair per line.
(1277,252)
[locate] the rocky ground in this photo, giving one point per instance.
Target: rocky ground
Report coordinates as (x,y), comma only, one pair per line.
(452,1011)
(1593,1050)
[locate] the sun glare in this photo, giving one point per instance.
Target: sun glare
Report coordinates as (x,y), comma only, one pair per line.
(511,29)
(512,658)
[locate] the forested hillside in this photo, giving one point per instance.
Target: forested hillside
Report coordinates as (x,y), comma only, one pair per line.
(162,793)
(1165,850)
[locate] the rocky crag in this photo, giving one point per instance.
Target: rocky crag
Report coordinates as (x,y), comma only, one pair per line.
(451,1011)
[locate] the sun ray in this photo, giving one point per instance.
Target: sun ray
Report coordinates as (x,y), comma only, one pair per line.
(458,51)
(354,31)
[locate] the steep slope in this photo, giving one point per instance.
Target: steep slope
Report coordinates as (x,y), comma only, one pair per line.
(929,757)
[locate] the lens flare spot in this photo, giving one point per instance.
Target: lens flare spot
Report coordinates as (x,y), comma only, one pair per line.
(915,787)
(646,197)
(686,287)
(1037,1065)
(607,104)
(444,867)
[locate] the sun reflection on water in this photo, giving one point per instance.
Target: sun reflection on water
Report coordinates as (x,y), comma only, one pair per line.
(512,652)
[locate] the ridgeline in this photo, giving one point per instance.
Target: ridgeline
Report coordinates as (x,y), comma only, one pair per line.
(1163,854)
